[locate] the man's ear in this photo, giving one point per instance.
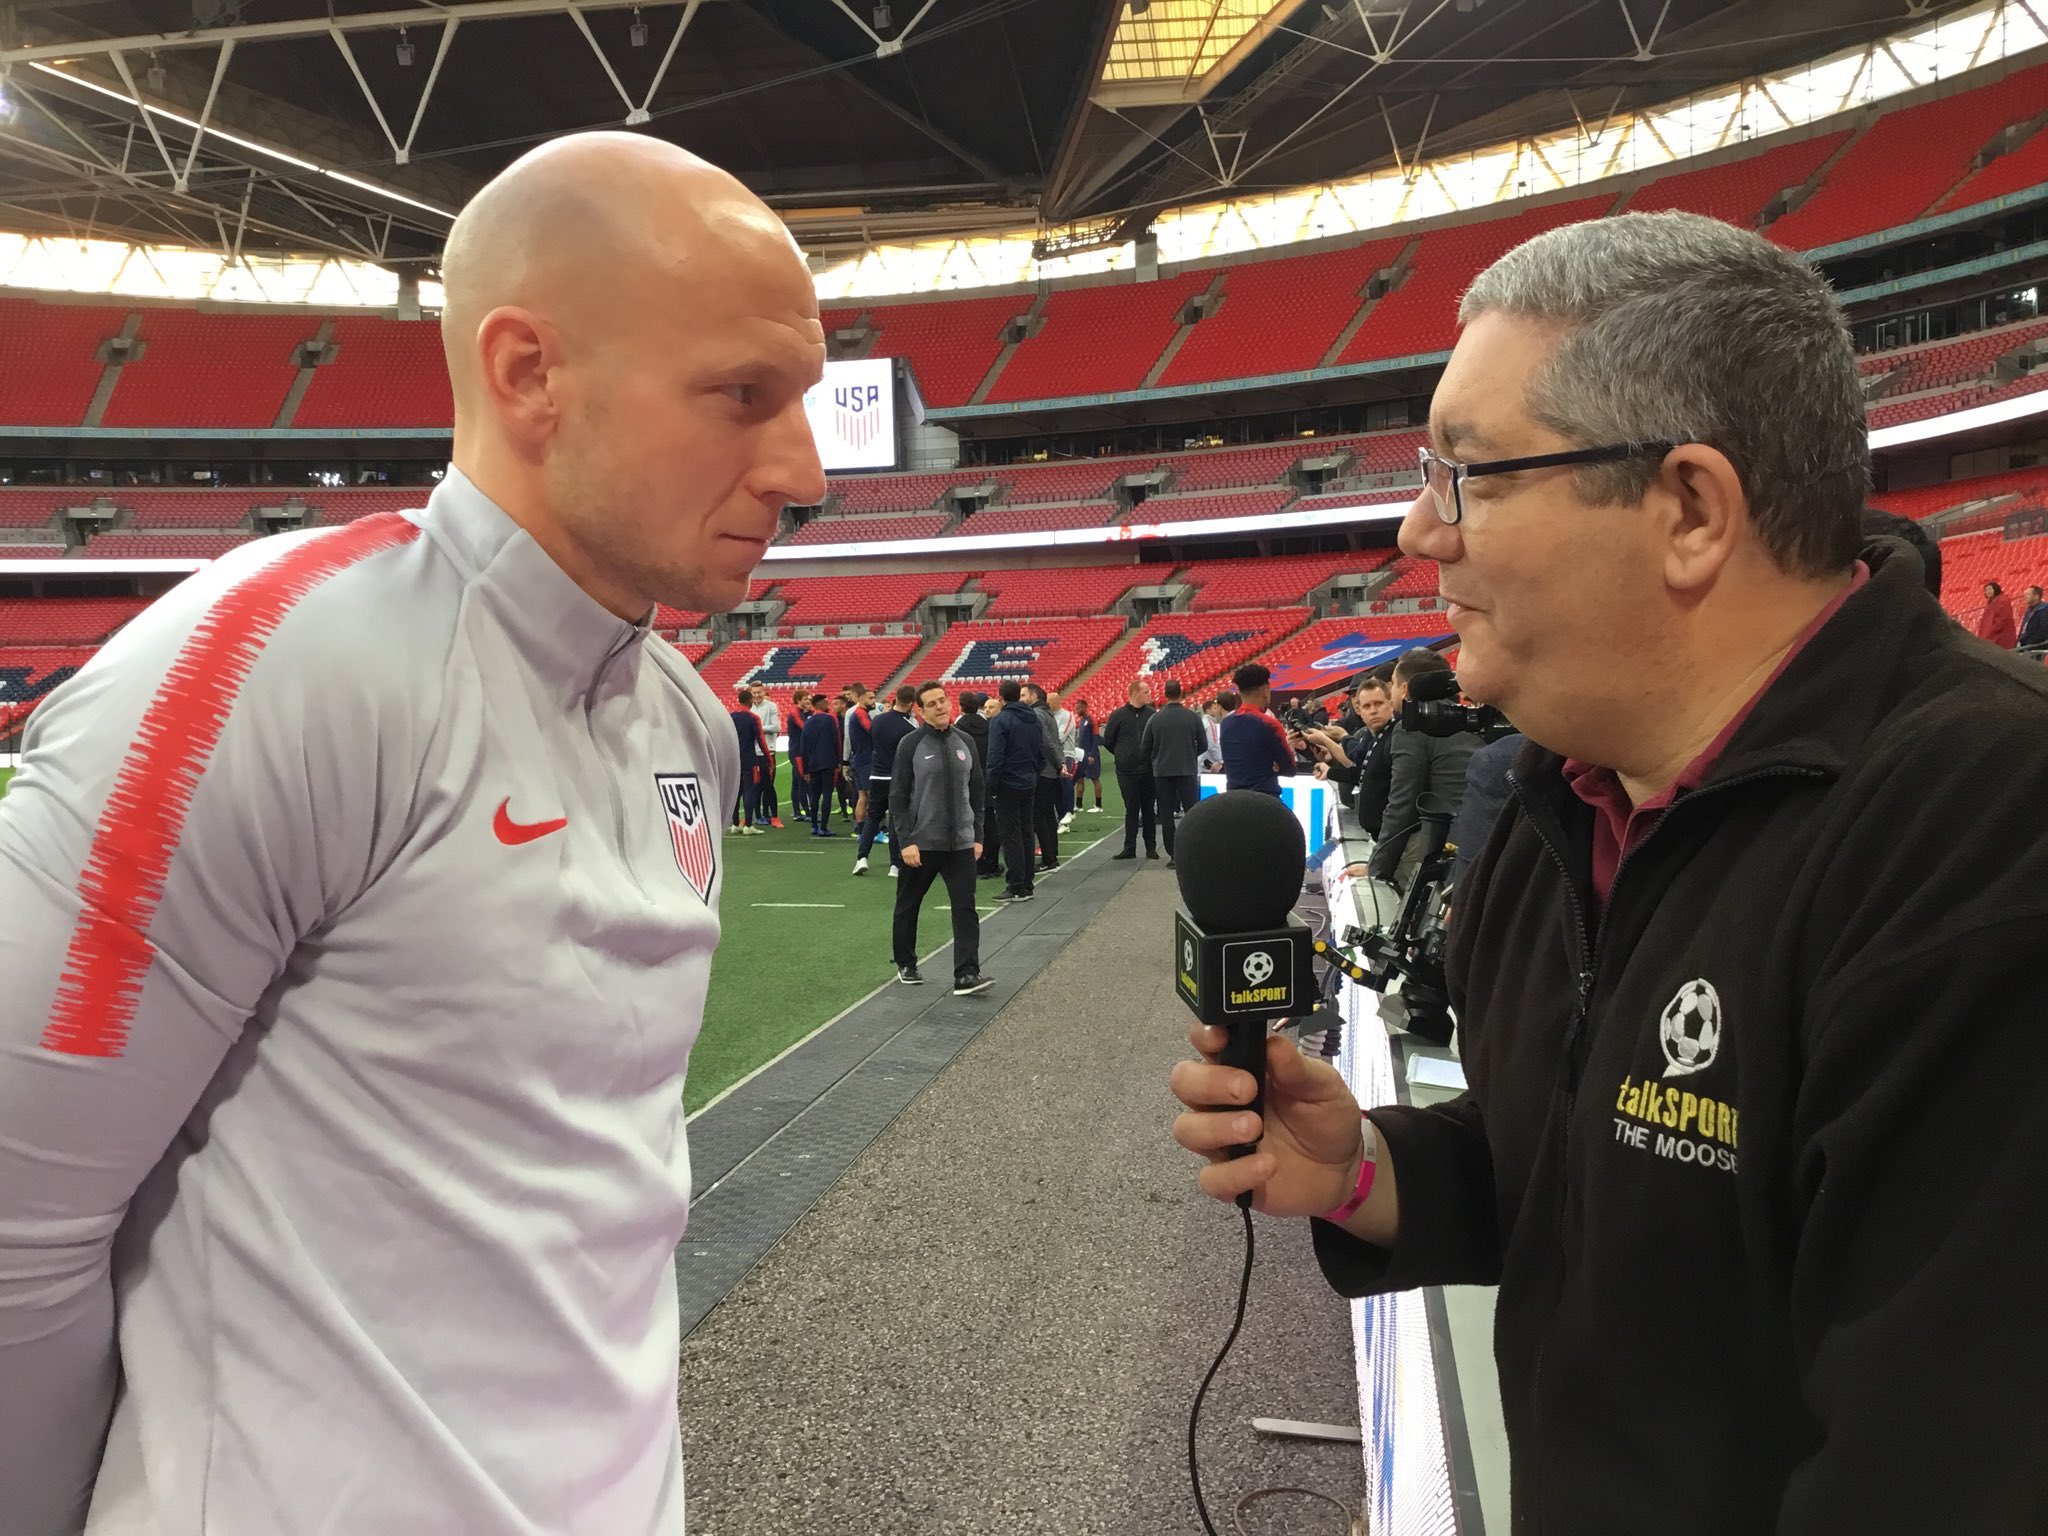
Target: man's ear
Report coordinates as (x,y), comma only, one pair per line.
(517,354)
(1700,511)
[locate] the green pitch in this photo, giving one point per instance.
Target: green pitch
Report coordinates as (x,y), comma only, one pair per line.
(804,938)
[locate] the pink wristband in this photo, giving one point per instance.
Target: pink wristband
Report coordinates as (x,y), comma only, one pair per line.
(1368,1166)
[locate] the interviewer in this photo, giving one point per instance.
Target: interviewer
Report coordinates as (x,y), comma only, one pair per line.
(1756,1146)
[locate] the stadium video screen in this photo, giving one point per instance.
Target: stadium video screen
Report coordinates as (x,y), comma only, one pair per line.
(853,414)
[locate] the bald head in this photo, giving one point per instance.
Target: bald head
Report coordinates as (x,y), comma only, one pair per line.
(577,229)
(630,333)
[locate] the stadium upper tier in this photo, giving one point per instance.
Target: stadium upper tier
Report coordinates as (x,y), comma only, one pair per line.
(1390,295)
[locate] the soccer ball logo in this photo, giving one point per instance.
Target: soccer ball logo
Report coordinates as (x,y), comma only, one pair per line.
(1187,955)
(1690,1030)
(1258,965)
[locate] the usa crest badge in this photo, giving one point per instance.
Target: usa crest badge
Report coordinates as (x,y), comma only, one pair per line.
(689,829)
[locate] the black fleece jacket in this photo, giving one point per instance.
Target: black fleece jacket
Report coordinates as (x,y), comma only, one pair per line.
(1758,1156)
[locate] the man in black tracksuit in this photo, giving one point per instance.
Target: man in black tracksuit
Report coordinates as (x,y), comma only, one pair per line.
(885,735)
(1016,742)
(935,796)
(1123,737)
(1748,985)
(1045,808)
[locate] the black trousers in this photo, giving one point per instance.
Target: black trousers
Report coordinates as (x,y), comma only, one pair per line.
(1013,823)
(1177,795)
(821,798)
(749,804)
(878,812)
(1045,817)
(799,792)
(956,867)
(1140,809)
(771,806)
(991,838)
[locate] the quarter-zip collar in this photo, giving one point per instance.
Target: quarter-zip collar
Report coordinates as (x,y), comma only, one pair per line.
(576,645)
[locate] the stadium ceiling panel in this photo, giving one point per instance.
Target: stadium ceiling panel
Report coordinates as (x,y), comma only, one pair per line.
(357,128)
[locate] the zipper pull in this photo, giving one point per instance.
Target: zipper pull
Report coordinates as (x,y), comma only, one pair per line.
(1585,990)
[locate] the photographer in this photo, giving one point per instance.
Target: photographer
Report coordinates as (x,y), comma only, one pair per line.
(1342,758)
(1417,765)
(1729,894)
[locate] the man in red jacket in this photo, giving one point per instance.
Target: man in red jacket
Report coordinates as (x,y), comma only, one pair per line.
(1756,1143)
(1995,622)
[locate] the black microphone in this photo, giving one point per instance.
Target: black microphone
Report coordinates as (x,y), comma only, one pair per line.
(1239,959)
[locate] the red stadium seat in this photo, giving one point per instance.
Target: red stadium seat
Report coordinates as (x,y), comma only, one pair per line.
(1052,652)
(1091,590)
(1280,315)
(1098,340)
(161,546)
(1971,560)
(1283,580)
(386,373)
(1196,648)
(48,621)
(1214,504)
(49,363)
(1071,514)
(1229,468)
(950,344)
(860,530)
(206,369)
(1737,192)
(1412,578)
(844,599)
(783,664)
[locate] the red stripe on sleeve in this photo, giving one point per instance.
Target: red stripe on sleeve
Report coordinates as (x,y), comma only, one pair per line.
(144,817)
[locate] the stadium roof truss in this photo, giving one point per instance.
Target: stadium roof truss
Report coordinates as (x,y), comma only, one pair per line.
(911,144)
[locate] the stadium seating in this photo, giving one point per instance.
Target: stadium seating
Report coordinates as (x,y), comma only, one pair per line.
(950,344)
(1286,579)
(187,509)
(1077,480)
(1097,340)
(1227,468)
(2022,167)
(1006,519)
(1383,453)
(161,546)
(781,665)
(1281,315)
(858,530)
(1325,634)
(330,507)
(209,370)
(48,621)
(26,508)
(386,373)
(1737,192)
(32,551)
(49,368)
(1968,357)
(1908,160)
(1196,648)
(1411,578)
(1421,315)
(1379,501)
(1214,504)
(859,599)
(28,673)
(1053,652)
(1971,560)
(1089,590)
(897,493)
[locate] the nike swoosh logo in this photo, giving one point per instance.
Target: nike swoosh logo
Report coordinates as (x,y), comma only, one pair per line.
(512,833)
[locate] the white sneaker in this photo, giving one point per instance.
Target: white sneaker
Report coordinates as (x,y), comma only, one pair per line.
(860,866)
(893,872)
(1066,821)
(1094,810)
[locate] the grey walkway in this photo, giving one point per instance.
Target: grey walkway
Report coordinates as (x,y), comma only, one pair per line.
(996,1321)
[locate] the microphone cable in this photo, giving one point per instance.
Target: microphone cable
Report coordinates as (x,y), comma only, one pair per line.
(1244,1290)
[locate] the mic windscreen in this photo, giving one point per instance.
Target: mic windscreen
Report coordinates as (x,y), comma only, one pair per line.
(1239,858)
(1427,686)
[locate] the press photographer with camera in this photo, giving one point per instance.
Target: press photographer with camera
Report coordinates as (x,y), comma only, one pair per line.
(1756,1143)
(1341,754)
(1418,764)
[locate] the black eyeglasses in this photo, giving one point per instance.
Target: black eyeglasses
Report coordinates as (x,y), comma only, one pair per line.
(1446,477)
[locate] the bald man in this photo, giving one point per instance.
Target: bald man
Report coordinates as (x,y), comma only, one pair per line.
(359,906)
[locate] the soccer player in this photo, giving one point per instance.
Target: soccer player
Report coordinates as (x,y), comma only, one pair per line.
(360,899)
(771,725)
(935,822)
(755,760)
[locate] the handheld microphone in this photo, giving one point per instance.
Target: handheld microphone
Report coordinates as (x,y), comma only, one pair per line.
(1239,959)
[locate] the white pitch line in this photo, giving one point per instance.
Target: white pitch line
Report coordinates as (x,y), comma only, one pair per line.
(807,905)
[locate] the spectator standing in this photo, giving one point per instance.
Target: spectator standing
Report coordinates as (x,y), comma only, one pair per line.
(1995,622)
(746,809)
(935,798)
(2034,621)
(1123,737)
(770,715)
(1212,723)
(887,731)
(799,781)
(1016,742)
(859,746)
(973,724)
(1255,750)
(1088,767)
(1174,741)
(821,766)
(1045,810)
(1068,727)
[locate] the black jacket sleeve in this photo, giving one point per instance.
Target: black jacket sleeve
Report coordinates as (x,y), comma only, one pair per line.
(1374,781)
(1113,732)
(1923,1126)
(902,787)
(1408,776)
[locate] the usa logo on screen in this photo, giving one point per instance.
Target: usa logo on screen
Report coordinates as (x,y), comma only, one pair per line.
(689,829)
(857,413)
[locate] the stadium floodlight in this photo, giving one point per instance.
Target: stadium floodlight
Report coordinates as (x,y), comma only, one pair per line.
(155,76)
(638,31)
(7,107)
(404,48)
(882,16)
